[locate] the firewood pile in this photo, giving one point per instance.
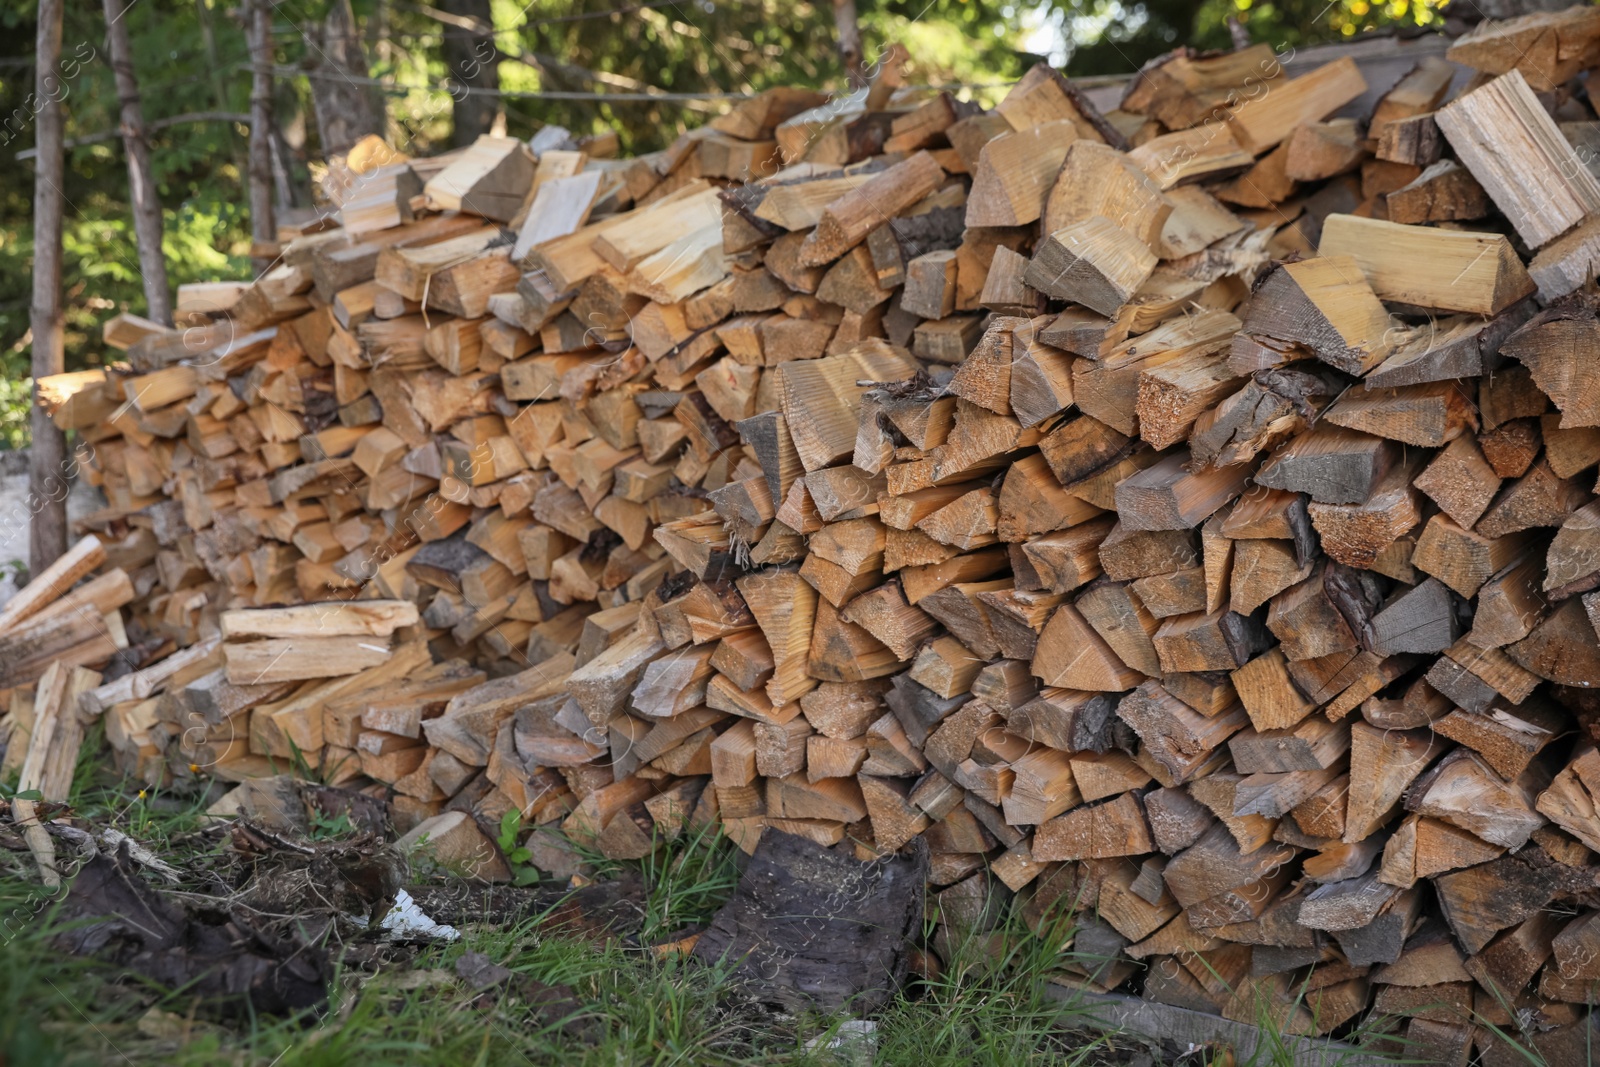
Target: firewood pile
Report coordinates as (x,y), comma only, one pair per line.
(1183,512)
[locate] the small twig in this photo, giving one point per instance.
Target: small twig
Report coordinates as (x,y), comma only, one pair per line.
(113,839)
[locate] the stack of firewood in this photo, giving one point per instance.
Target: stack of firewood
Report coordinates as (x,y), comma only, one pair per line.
(1183,510)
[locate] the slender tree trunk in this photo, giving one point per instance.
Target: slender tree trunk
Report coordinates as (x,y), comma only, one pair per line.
(263,230)
(473,63)
(141,175)
(342,99)
(282,183)
(291,145)
(47,468)
(1238,34)
(379,51)
(218,75)
(849,31)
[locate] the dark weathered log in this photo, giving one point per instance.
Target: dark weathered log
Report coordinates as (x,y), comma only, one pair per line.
(795,923)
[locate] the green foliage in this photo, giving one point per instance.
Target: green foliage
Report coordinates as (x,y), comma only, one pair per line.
(570,1001)
(728,46)
(518,858)
(32,979)
(186,53)
(16,398)
(325,827)
(1113,36)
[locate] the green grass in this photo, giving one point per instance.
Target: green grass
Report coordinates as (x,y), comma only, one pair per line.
(632,1008)
(686,883)
(619,1002)
(629,1004)
(992,1003)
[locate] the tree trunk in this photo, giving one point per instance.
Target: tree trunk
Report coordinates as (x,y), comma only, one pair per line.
(339,93)
(141,175)
(47,468)
(263,230)
(215,69)
(473,63)
(849,31)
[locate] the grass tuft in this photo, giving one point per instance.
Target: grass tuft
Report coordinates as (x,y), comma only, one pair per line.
(686,881)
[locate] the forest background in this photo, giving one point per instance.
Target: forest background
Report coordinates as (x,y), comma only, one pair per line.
(648,69)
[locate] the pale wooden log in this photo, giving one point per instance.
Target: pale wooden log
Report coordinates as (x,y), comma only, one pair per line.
(1464,792)
(1512,146)
(1271,117)
(1331,464)
(1114,828)
(1547,346)
(1178,737)
(73,638)
(1421,619)
(1565,264)
(49,706)
(1216,641)
(1549,47)
(147,681)
(1072,655)
(1219,792)
(1201,152)
(1173,395)
(1327,306)
(1268,693)
(1559,649)
(490,179)
(1093,262)
(1095,179)
(1383,763)
(1321,150)
(820,399)
(1167,496)
(846,222)
(375,618)
(1313,744)
(1014,174)
(1261,570)
(1445,192)
(1482,900)
(1460,481)
(1447,270)
(61,575)
(1325,614)
(1114,613)
(1214,864)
